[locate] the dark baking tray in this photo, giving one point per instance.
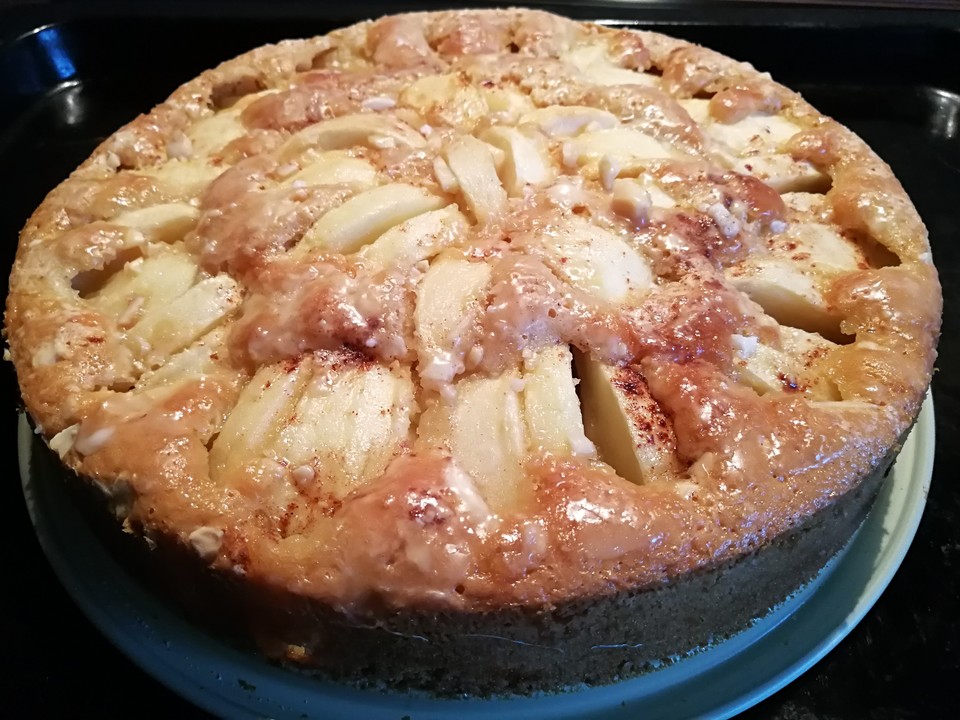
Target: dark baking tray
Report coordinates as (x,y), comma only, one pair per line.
(71,73)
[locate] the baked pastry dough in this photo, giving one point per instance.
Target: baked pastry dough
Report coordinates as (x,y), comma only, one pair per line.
(480,351)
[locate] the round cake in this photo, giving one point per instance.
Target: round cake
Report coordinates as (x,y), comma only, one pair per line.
(479,352)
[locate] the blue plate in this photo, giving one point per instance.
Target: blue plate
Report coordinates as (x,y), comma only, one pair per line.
(718,682)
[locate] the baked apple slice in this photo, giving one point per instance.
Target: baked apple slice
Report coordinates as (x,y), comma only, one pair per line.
(791,364)
(365,217)
(336,167)
(448,299)
(788,280)
(416,239)
(753,144)
(493,426)
(596,261)
(472,163)
(331,420)
(631,431)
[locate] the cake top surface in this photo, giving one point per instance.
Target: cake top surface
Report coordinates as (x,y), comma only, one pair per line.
(479,307)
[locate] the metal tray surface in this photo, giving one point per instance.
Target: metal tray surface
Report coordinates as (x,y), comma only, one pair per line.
(71,74)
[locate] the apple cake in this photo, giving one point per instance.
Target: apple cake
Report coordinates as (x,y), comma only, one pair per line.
(479,351)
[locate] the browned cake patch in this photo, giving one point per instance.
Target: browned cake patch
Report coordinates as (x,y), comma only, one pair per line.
(481,342)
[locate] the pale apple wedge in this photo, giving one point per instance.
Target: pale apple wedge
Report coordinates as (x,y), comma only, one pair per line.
(786,366)
(183,179)
(264,405)
(782,172)
(448,297)
(419,238)
(198,360)
(174,326)
(628,148)
(526,161)
(366,216)
(482,427)
(334,168)
(596,66)
(146,284)
(608,74)
(596,261)
(753,134)
(424,93)
(352,418)
(506,105)
(448,97)
(472,162)
(698,109)
(786,282)
(756,132)
(551,408)
(791,297)
(752,146)
(444,176)
(568,120)
(633,198)
(208,135)
(161,223)
(813,242)
(345,132)
(819,249)
(630,430)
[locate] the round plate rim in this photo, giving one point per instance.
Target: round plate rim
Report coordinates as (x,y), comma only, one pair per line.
(738,674)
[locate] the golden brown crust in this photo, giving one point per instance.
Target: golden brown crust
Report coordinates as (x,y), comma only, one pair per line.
(739,462)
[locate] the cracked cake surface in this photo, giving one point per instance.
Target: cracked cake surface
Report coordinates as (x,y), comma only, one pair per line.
(476,326)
